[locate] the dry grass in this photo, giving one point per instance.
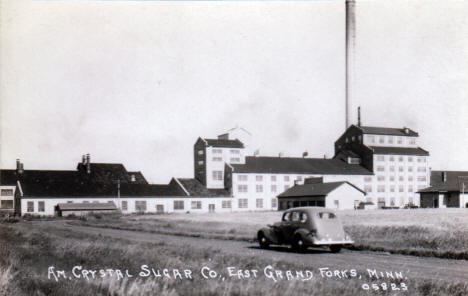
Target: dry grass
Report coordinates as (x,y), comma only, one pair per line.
(26,254)
(423,232)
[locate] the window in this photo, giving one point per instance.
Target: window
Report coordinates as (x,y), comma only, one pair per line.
(392,178)
(258,178)
(274,202)
(299,178)
(381,188)
(391,158)
(346,140)
(368,188)
(381,178)
(410,169)
(85,201)
(421,159)
(217,151)
(392,188)
(392,201)
(233,151)
(360,138)
(295,216)
(71,201)
(410,188)
(200,162)
(6,204)
(412,141)
(200,152)
(410,159)
(242,177)
(242,188)
(273,178)
(353,138)
(380,157)
(371,139)
(235,159)
(399,140)
(421,178)
(381,139)
(367,179)
(259,203)
(327,215)
(401,188)
(392,168)
(401,169)
(94,201)
(226,204)
(217,159)
(159,208)
(400,178)
(196,204)
(286,178)
(273,188)
(410,200)
(6,192)
(303,217)
(421,169)
(217,175)
(41,206)
(124,205)
(30,206)
(400,158)
(410,178)
(337,204)
(140,205)
(178,204)
(259,188)
(380,168)
(390,140)
(243,203)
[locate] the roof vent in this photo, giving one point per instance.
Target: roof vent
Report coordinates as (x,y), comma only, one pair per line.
(406,130)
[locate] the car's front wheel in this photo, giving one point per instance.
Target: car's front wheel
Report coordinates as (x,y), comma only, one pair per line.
(335,248)
(299,244)
(263,241)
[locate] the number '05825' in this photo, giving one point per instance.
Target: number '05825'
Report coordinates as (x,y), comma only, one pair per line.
(385,287)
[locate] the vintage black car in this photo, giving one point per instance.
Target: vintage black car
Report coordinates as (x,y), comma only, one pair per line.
(306,226)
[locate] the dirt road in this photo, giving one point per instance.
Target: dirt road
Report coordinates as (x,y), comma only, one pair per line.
(411,266)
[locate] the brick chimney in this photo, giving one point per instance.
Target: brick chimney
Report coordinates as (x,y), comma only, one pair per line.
(19,167)
(88,163)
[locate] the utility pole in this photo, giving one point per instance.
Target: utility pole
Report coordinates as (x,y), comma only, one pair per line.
(118,195)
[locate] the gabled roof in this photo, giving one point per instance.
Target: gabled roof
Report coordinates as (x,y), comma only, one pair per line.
(454,181)
(196,189)
(290,165)
(388,131)
(110,173)
(399,151)
(224,143)
(86,206)
(318,189)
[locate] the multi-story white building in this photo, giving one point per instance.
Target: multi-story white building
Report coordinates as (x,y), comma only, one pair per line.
(400,166)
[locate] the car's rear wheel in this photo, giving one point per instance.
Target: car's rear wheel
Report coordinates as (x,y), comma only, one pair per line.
(299,244)
(335,248)
(263,241)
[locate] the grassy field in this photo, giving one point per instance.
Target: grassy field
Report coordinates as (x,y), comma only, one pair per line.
(27,252)
(423,232)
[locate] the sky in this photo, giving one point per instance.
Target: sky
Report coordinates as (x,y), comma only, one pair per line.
(138,82)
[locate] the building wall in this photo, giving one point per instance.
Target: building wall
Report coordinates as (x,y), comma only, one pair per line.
(345,197)
(216,157)
(151,204)
(7,198)
(199,156)
(390,141)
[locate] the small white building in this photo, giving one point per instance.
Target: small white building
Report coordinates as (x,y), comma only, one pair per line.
(314,192)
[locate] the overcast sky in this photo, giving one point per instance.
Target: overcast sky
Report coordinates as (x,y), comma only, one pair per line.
(137,82)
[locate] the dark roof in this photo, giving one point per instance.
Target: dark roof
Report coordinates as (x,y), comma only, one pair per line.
(454,181)
(139,178)
(388,131)
(399,151)
(225,143)
(289,165)
(110,173)
(196,188)
(86,206)
(319,189)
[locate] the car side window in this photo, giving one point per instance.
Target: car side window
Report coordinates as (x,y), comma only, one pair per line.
(286,216)
(295,217)
(303,217)
(327,215)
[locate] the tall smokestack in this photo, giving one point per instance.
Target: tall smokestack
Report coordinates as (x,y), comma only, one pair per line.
(350,38)
(88,163)
(359,116)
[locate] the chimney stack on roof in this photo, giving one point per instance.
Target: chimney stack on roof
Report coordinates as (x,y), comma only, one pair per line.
(88,163)
(19,167)
(305,154)
(444,176)
(406,130)
(83,159)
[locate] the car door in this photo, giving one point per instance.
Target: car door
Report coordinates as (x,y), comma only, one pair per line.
(290,226)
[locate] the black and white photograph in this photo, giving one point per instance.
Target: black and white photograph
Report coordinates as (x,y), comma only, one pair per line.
(233,147)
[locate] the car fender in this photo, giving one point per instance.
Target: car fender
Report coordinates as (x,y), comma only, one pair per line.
(305,234)
(270,234)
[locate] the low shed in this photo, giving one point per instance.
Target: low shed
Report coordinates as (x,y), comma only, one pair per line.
(79,209)
(333,195)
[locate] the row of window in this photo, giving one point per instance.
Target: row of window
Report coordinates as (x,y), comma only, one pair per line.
(6,192)
(392,188)
(381,201)
(381,168)
(232,159)
(244,203)
(381,178)
(40,206)
(243,188)
(390,140)
(400,158)
(273,178)
(220,151)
